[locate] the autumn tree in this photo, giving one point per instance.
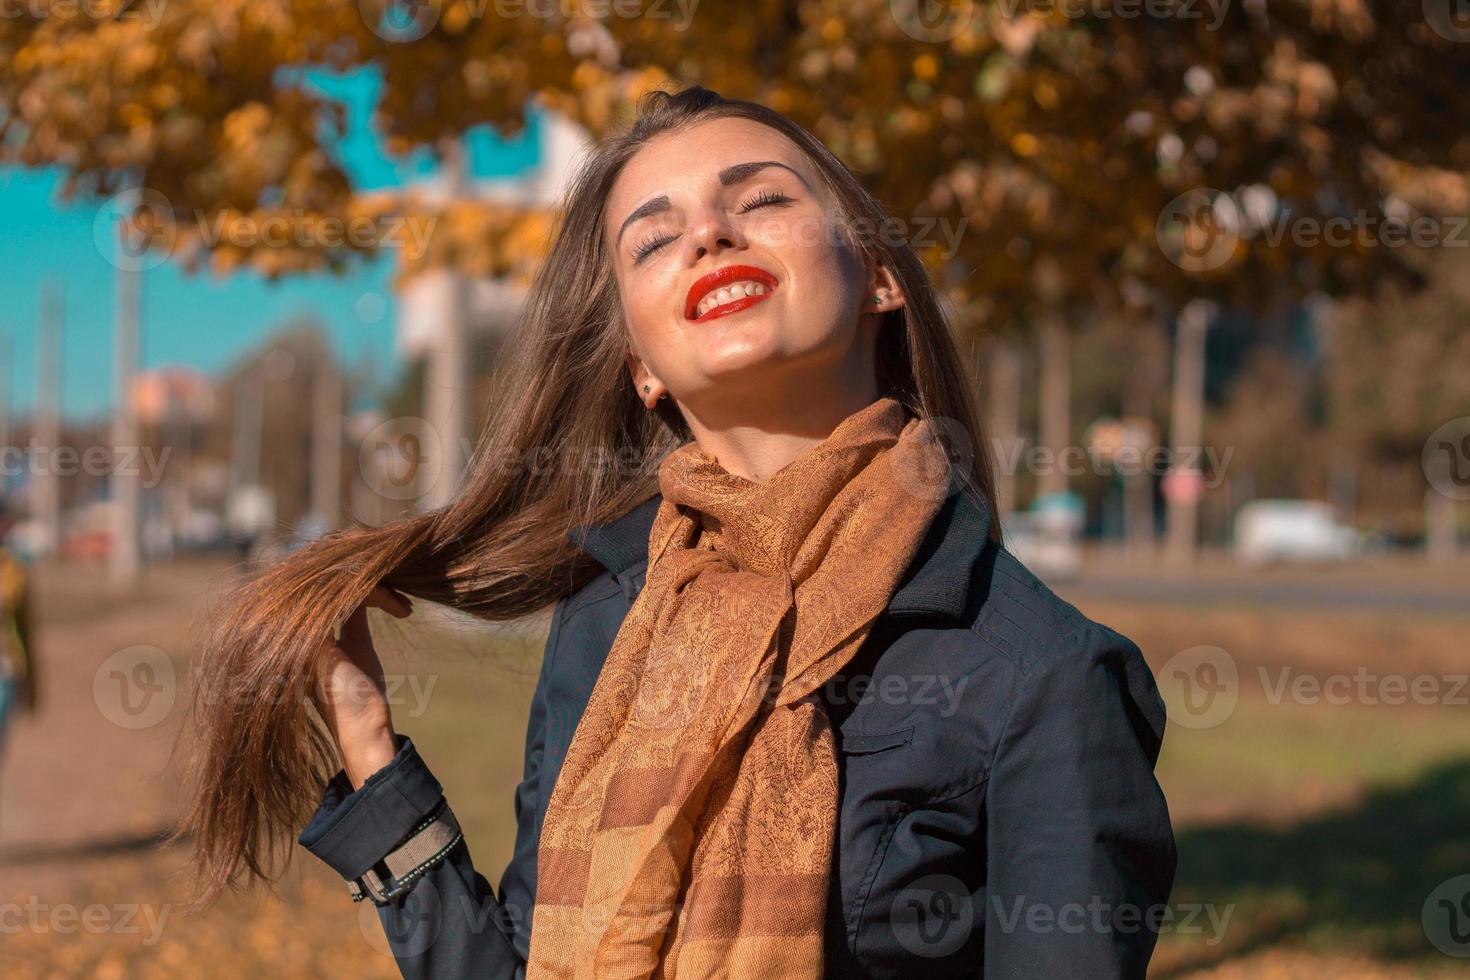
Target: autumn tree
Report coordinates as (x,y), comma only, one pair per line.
(1082,156)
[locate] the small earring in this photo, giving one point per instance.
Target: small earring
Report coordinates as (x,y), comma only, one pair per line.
(877,297)
(645,389)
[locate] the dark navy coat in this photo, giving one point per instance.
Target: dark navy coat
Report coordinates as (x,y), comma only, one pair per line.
(999,812)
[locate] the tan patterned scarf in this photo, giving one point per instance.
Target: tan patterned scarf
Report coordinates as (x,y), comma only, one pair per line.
(690,831)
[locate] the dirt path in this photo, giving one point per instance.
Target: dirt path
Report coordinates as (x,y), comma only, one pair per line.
(87,786)
(90,771)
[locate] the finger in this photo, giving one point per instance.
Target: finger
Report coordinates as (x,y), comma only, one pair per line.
(391,601)
(329,654)
(332,657)
(355,632)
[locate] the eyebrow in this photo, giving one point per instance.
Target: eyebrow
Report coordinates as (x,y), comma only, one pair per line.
(733,174)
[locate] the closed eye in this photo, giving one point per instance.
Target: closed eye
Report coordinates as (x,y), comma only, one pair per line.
(648,246)
(764,199)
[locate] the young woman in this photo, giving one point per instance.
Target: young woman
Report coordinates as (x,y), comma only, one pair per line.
(800,712)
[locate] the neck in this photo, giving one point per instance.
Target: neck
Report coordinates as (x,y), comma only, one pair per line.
(771,427)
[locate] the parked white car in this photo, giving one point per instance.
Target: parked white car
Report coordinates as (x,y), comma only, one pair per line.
(1047,538)
(1292,530)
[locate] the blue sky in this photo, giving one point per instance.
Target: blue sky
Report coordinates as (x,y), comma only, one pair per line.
(203,320)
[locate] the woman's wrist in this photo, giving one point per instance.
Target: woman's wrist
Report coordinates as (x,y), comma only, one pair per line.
(366,754)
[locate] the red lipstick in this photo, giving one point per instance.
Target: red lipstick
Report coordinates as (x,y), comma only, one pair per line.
(722,277)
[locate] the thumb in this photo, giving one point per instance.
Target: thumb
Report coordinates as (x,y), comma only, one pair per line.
(355,632)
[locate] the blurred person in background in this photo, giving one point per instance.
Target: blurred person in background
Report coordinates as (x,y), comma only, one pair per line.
(809,515)
(17,650)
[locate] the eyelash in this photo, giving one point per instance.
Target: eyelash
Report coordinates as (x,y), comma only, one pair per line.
(762,199)
(648,246)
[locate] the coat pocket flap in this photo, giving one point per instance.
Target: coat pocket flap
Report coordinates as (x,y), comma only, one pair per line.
(863,743)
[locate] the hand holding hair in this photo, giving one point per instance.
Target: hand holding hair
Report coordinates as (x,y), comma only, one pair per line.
(350,691)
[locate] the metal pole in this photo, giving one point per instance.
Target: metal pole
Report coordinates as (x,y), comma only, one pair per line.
(124,555)
(448,381)
(47,501)
(1056,401)
(326,441)
(1186,427)
(1005,406)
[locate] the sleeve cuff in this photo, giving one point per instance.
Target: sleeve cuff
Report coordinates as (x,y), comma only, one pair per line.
(352,831)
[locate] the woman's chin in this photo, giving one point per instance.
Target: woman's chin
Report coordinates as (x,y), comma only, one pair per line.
(736,353)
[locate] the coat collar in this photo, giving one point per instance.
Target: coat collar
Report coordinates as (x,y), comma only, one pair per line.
(936,582)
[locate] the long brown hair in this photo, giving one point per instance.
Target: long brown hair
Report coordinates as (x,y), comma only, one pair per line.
(500,548)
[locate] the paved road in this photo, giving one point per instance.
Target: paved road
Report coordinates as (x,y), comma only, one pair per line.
(1387,595)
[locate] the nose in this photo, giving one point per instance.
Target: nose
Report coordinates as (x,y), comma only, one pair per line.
(713,232)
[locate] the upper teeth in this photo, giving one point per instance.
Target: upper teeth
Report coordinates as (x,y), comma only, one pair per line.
(730,293)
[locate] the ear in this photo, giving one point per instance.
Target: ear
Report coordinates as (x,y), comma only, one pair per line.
(882,284)
(641,376)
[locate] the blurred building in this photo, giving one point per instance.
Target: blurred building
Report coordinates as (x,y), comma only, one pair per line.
(451,323)
(171,392)
(428,299)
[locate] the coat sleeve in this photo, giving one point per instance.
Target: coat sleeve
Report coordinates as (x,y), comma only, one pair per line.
(1081,854)
(449,923)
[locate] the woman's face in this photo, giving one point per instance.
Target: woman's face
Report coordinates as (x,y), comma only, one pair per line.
(733,278)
